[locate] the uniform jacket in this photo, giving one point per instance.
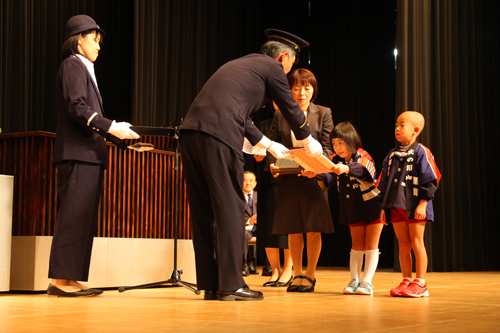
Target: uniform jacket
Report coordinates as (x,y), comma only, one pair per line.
(423,182)
(81,125)
(238,89)
(357,191)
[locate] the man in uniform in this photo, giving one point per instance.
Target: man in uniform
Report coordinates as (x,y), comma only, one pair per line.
(212,137)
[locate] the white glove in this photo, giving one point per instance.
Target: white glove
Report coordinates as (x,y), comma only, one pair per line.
(279,151)
(313,147)
(122,131)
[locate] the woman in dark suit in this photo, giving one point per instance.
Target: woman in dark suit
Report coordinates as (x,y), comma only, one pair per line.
(80,155)
(302,206)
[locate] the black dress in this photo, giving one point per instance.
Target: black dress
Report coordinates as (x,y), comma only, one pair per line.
(302,206)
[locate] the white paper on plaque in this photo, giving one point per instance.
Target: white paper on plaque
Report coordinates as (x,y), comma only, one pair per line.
(284,163)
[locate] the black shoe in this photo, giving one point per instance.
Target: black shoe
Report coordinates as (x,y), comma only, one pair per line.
(270,283)
(307,289)
(54,291)
(96,291)
(242,294)
(267,270)
(253,270)
(294,287)
(245,270)
(283,284)
(211,295)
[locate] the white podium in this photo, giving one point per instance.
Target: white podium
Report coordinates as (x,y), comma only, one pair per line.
(6,204)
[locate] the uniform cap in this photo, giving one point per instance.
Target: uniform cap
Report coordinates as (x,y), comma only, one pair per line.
(80,23)
(296,43)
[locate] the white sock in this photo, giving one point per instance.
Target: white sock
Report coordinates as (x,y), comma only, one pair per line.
(408,278)
(420,280)
(371,262)
(355,263)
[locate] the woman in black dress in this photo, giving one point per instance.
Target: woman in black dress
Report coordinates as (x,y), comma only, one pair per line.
(302,206)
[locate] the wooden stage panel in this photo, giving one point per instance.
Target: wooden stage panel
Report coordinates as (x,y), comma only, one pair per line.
(138,189)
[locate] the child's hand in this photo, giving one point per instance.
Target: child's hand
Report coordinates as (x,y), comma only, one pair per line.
(340,169)
(308,174)
(382,216)
(420,211)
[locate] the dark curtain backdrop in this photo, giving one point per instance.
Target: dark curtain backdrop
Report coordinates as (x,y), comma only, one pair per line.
(180,44)
(32,33)
(157,55)
(448,69)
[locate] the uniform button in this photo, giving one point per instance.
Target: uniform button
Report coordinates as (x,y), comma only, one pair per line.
(395,180)
(347,196)
(401,159)
(348,185)
(399,169)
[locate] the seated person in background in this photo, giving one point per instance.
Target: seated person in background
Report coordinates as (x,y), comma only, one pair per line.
(249,183)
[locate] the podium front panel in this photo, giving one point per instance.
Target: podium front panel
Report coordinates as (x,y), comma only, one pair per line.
(137,196)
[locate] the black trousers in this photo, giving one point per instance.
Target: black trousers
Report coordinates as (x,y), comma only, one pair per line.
(213,173)
(79,189)
(248,256)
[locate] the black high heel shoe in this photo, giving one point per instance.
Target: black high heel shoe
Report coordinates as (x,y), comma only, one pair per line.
(283,284)
(294,287)
(307,289)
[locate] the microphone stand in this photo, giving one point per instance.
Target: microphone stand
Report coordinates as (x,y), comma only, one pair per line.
(175,277)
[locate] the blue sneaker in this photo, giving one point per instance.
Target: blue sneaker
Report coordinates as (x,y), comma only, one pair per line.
(351,287)
(364,288)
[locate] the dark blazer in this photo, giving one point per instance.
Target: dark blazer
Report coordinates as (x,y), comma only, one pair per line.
(320,123)
(239,88)
(247,208)
(78,99)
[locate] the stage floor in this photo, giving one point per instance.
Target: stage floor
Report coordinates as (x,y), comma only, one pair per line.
(458,302)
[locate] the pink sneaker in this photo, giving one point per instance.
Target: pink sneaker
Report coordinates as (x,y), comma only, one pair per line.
(416,289)
(402,286)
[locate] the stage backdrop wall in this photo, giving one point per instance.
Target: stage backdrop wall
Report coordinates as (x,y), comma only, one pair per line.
(158,54)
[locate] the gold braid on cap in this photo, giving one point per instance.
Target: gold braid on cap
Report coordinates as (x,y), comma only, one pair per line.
(285,39)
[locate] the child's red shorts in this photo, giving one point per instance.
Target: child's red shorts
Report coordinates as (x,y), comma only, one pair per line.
(399,215)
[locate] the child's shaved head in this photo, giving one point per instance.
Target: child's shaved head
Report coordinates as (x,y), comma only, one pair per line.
(415,118)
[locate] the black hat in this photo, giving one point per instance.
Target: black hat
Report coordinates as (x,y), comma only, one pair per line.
(80,23)
(296,43)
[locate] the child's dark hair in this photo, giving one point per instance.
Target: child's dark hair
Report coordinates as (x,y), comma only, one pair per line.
(70,45)
(346,132)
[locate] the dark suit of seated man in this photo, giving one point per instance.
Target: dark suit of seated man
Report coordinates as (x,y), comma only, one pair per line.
(249,183)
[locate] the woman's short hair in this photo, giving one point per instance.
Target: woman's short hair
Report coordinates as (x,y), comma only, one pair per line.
(303,77)
(70,45)
(346,132)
